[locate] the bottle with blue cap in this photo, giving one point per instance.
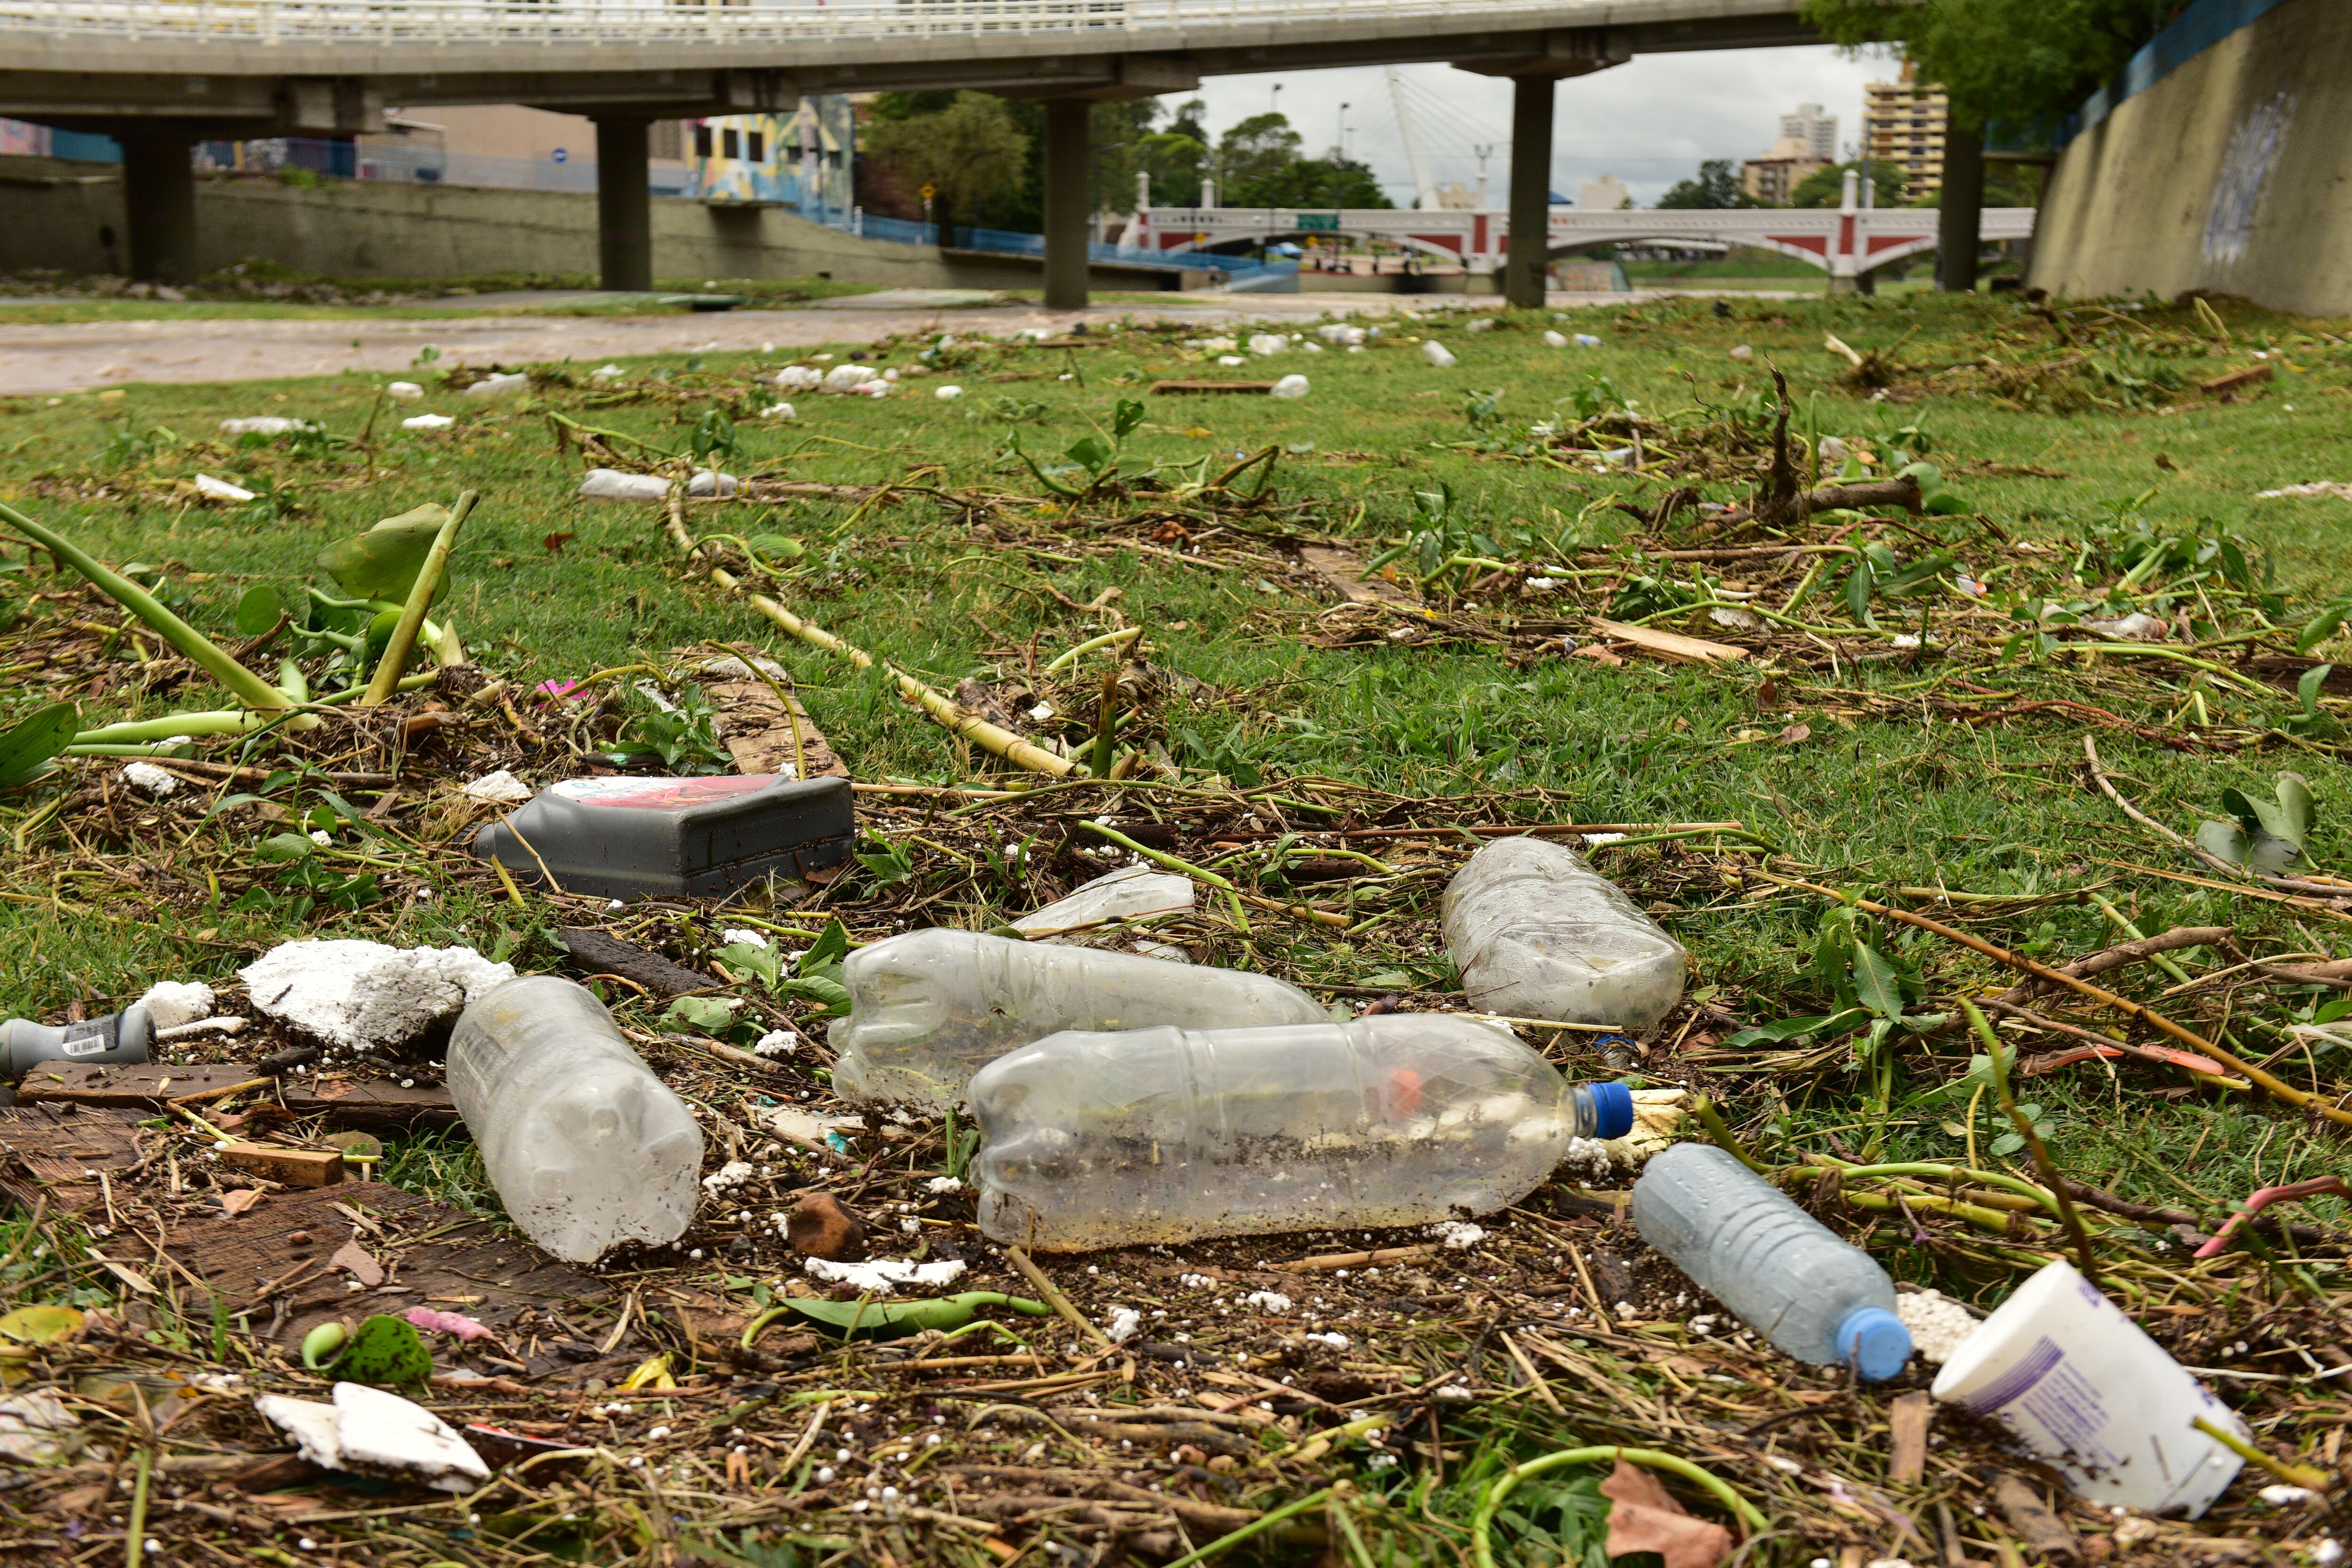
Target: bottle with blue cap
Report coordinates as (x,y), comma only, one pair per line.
(1097,1139)
(1744,1242)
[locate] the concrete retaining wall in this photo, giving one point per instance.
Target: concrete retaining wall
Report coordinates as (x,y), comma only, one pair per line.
(2229,172)
(68,216)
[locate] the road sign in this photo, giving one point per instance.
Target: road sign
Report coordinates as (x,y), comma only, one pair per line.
(561,156)
(1318,223)
(929,191)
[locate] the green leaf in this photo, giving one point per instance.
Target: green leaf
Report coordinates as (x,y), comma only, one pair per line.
(1877,984)
(384,1350)
(869,1319)
(741,956)
(1091,453)
(1797,1028)
(383,563)
(28,746)
(285,846)
(2308,688)
(2007,1143)
(1944,503)
(2320,628)
(1857,592)
(1125,418)
(777,546)
(832,945)
(828,994)
(711,1015)
(257,610)
(2225,841)
(1930,478)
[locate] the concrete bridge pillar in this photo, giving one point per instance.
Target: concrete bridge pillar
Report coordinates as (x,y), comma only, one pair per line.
(1069,201)
(159,197)
(1526,263)
(625,204)
(1959,225)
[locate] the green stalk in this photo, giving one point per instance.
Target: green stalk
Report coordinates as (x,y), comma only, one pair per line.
(243,684)
(134,731)
(1107,723)
(412,617)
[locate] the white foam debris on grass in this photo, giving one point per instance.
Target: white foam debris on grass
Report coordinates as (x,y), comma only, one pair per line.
(738,936)
(427,422)
(708,482)
(149,779)
(500,385)
(2137,627)
(808,1129)
(1290,388)
(212,489)
(777,1043)
(1588,1156)
(733,1174)
(612,484)
(944,1184)
(265,425)
(1268,343)
(1273,1302)
(1459,1235)
(500,788)
(364,994)
(402,391)
(1938,1324)
(1126,1323)
(367,1431)
(1336,1341)
(171,1004)
(2330,490)
(884,1275)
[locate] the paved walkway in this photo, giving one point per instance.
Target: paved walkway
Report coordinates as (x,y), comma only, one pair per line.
(75,356)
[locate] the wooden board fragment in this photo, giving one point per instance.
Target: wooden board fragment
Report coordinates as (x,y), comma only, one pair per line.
(2237,378)
(149,1086)
(1342,571)
(295,1167)
(596,952)
(1182,387)
(1671,645)
(758,729)
(47,1152)
(1907,1438)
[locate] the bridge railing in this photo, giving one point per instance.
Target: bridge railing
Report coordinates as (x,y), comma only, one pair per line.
(375,23)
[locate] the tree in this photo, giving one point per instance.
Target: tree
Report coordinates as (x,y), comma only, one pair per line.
(2023,63)
(1253,159)
(1175,161)
(1825,187)
(1716,186)
(968,149)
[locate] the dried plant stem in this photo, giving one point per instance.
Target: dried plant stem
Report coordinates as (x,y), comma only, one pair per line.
(2033,1136)
(389,668)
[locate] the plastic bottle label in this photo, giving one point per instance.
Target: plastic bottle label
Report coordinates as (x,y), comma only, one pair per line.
(660,795)
(94,1038)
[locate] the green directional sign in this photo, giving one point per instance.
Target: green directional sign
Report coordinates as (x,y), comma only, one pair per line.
(1324,223)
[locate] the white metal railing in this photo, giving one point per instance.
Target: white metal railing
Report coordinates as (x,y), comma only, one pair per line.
(377,23)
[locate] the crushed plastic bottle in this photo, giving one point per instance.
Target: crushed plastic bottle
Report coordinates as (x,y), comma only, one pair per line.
(1744,1242)
(1539,933)
(930,1008)
(1130,893)
(587,1147)
(124,1036)
(1167,1134)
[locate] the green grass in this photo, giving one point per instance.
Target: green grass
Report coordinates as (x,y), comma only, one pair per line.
(1886,790)
(280,294)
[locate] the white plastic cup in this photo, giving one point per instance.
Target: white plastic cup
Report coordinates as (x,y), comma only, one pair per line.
(2081,1385)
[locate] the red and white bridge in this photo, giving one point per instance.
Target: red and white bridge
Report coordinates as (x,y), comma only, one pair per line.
(1844,241)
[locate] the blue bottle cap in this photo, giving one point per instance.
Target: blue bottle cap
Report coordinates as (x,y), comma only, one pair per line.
(1874,1342)
(1612,1110)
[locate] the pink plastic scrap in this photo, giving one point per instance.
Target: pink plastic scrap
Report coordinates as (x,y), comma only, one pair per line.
(2263,1199)
(558,690)
(456,1324)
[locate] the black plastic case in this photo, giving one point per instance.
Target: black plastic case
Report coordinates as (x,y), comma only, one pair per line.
(631,838)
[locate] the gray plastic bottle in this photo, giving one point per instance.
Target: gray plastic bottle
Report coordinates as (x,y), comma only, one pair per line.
(585,1146)
(1539,933)
(1743,1241)
(930,1008)
(1163,1135)
(124,1036)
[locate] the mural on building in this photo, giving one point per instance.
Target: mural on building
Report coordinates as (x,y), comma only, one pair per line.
(801,160)
(21,140)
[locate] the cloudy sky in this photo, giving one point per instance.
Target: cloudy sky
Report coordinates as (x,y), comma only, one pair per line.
(1649,121)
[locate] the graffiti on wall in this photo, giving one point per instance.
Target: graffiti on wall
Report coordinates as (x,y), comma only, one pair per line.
(804,159)
(2244,174)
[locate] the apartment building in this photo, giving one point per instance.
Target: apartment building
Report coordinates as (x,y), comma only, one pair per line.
(1903,123)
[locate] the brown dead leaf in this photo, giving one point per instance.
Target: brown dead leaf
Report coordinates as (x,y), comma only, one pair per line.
(1597,654)
(243,1199)
(1795,734)
(354,1259)
(1644,1518)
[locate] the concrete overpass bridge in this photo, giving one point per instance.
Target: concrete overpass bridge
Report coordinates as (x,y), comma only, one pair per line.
(1844,241)
(160,74)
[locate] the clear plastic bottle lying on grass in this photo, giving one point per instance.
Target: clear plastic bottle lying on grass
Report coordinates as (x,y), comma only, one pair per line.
(1094,1139)
(1784,1273)
(1539,933)
(587,1147)
(930,1008)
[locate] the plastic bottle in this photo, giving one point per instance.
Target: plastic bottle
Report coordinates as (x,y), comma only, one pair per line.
(930,1008)
(2084,1386)
(1539,933)
(1742,1241)
(1166,1134)
(586,1148)
(124,1036)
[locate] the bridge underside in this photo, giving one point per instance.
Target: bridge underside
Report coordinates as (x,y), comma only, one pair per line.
(138,85)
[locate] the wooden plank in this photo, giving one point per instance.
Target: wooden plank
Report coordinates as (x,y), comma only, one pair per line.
(758,729)
(2235,379)
(372,1106)
(295,1167)
(1184,387)
(1907,1440)
(1671,645)
(597,952)
(1342,571)
(344,1102)
(47,1152)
